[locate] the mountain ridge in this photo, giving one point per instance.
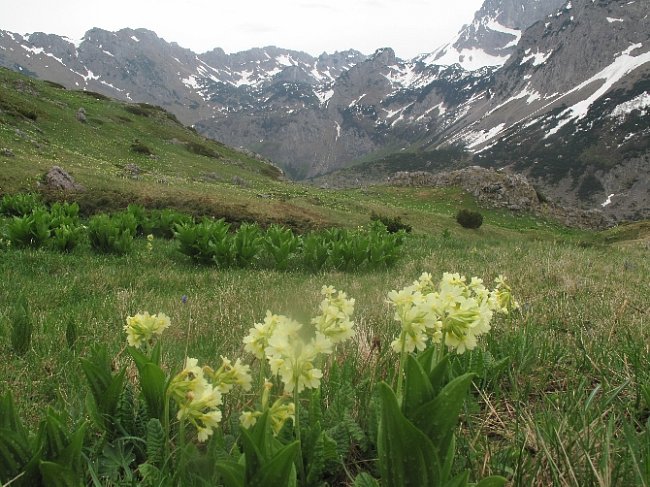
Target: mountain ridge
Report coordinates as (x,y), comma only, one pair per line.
(313,115)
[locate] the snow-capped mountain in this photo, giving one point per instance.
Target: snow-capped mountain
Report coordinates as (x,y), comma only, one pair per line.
(556,89)
(494,34)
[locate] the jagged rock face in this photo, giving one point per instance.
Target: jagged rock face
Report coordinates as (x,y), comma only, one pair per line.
(562,95)
(493,35)
(503,189)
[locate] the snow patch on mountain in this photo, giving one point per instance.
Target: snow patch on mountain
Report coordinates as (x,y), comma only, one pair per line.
(538,58)
(469,59)
(622,65)
(641,103)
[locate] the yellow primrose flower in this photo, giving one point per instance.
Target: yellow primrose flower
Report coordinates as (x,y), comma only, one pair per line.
(334,318)
(229,375)
(196,398)
(142,327)
(257,339)
(249,418)
(293,360)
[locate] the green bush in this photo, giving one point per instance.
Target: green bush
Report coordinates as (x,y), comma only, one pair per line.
(163,223)
(392,224)
(201,150)
(20,204)
(30,230)
(140,148)
(66,237)
(280,244)
(207,242)
(469,219)
(247,244)
(108,235)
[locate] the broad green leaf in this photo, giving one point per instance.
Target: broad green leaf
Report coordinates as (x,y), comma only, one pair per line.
(406,455)
(494,481)
(15,454)
(438,374)
(153,382)
(9,419)
(417,387)
(459,480)
(280,469)
(365,480)
(56,475)
(438,418)
(252,453)
(232,473)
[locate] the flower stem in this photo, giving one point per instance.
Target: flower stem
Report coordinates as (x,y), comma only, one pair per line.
(400,371)
(296,402)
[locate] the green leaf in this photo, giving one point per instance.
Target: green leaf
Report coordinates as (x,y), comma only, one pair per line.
(417,387)
(459,480)
(365,480)
(15,454)
(232,473)
(439,417)
(153,382)
(280,469)
(406,455)
(56,475)
(9,419)
(438,374)
(252,453)
(105,387)
(494,481)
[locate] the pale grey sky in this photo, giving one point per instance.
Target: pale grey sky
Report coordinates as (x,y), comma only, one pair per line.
(411,27)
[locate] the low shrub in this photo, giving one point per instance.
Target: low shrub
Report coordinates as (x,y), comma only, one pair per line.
(202,150)
(30,230)
(469,219)
(393,224)
(109,235)
(20,204)
(140,148)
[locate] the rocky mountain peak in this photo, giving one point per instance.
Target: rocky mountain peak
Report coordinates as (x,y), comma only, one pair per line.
(493,35)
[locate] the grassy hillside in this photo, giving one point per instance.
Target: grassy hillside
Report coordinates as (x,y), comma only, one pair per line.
(562,391)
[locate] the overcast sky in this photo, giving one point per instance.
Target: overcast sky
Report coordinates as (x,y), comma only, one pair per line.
(411,27)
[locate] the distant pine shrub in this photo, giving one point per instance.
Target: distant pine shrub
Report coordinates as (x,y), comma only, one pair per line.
(393,224)
(469,219)
(140,148)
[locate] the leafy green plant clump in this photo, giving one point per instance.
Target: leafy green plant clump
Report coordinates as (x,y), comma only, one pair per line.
(211,242)
(469,219)
(111,235)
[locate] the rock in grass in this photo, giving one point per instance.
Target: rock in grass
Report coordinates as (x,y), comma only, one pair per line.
(57,178)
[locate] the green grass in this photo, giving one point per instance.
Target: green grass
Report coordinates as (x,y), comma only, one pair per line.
(570,408)
(577,352)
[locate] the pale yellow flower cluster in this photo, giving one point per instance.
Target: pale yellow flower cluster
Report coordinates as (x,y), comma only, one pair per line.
(142,327)
(292,349)
(197,399)
(279,413)
(198,392)
(334,320)
(455,313)
(229,375)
